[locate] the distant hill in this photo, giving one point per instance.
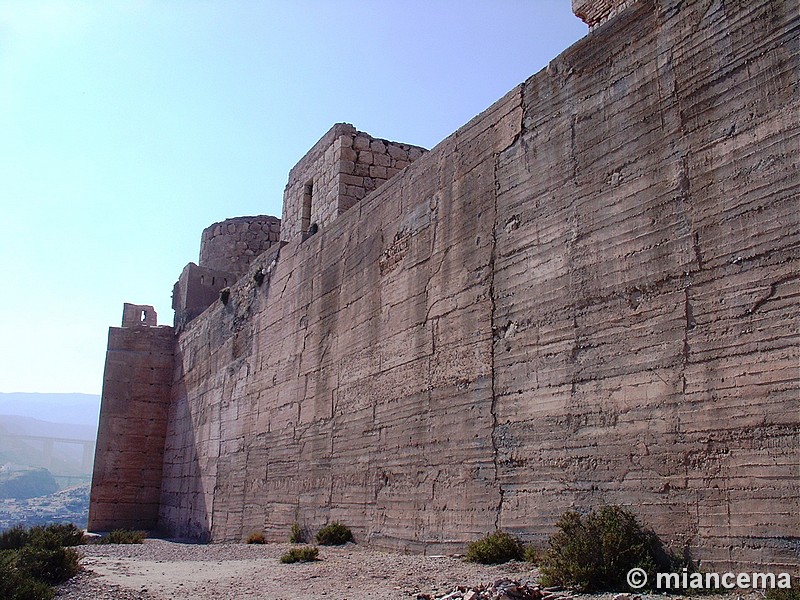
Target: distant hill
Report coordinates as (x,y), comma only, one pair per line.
(76,409)
(59,416)
(38,427)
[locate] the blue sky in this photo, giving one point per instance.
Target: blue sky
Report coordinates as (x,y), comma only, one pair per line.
(126,127)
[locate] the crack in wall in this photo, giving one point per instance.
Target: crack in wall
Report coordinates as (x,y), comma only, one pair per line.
(493,306)
(773,288)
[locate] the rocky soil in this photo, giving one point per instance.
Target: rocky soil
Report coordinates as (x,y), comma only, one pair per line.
(162,570)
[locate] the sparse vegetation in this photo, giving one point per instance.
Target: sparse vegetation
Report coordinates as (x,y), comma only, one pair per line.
(256,538)
(594,553)
(304,554)
(32,560)
(334,534)
(495,548)
(782,594)
(297,535)
(225,295)
(123,536)
(531,555)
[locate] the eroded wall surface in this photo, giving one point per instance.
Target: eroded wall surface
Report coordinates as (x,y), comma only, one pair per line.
(586,295)
(647,283)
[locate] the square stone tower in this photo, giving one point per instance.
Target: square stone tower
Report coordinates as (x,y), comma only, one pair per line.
(342,168)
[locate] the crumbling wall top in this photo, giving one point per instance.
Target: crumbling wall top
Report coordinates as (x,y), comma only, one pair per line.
(139,315)
(597,12)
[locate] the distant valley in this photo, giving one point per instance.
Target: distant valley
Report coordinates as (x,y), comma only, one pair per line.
(46,457)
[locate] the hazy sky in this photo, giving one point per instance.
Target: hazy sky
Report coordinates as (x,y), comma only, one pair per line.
(126,127)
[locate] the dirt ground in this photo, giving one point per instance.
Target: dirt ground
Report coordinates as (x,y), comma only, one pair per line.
(168,570)
(160,570)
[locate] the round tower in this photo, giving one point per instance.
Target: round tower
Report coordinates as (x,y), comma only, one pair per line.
(232,244)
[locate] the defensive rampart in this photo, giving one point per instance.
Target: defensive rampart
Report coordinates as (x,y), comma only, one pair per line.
(585,295)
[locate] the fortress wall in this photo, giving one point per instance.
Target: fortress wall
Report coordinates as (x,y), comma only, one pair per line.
(126,484)
(231,245)
(355,384)
(647,282)
(585,295)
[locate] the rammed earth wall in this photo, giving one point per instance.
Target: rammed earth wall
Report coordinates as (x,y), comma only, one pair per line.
(588,294)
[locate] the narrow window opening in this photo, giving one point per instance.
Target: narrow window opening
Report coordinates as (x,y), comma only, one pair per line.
(202,280)
(308,193)
(213,280)
(143,317)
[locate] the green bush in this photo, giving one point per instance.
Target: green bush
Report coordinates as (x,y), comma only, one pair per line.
(495,548)
(334,534)
(256,538)
(14,538)
(304,554)
(47,564)
(56,534)
(297,535)
(17,586)
(531,555)
(31,560)
(122,536)
(594,553)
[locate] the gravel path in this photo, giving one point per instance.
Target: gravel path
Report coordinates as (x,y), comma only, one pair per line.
(161,570)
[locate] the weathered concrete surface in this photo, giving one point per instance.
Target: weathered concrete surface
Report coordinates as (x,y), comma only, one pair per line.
(646,282)
(597,12)
(126,483)
(586,295)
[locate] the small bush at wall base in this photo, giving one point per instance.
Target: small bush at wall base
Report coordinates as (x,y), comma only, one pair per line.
(334,534)
(123,536)
(297,535)
(495,548)
(594,553)
(305,554)
(256,538)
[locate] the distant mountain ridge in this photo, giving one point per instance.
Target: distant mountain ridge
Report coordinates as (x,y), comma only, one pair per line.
(75,409)
(17,425)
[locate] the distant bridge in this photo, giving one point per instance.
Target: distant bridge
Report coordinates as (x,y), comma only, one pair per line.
(47,443)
